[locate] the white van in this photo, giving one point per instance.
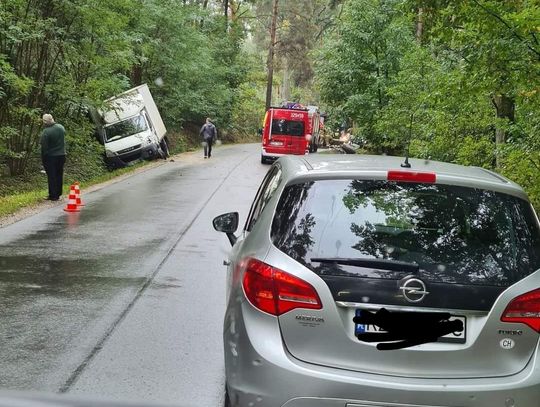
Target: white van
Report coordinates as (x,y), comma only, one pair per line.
(132,127)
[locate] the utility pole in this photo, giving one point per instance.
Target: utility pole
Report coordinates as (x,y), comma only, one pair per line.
(270,61)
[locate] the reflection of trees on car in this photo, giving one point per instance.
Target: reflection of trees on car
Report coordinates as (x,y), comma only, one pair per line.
(294,237)
(298,239)
(455,234)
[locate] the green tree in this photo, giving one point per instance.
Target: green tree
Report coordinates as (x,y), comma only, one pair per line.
(63,56)
(55,57)
(360,59)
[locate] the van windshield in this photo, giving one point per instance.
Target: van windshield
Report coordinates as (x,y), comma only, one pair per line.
(454,234)
(287,127)
(125,128)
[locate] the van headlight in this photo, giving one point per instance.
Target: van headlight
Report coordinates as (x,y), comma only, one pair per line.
(109,153)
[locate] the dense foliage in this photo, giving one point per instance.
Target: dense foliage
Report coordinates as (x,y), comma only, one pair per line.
(452,80)
(62,56)
(301,26)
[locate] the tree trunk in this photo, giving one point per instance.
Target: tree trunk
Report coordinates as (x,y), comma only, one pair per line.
(286,86)
(137,69)
(270,61)
(136,75)
(505,107)
(420,24)
(234,8)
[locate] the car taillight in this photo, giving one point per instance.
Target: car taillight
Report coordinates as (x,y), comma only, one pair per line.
(524,309)
(276,292)
(411,176)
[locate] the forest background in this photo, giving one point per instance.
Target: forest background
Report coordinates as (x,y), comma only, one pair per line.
(456,81)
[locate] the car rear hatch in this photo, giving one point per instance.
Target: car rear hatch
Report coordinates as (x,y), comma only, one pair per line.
(286,134)
(410,248)
(299,143)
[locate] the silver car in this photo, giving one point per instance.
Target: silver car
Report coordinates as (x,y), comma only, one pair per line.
(359,282)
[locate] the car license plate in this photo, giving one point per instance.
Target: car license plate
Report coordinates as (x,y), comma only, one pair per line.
(455,337)
(276,143)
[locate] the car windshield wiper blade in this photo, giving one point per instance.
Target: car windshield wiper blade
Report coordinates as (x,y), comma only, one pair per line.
(381,264)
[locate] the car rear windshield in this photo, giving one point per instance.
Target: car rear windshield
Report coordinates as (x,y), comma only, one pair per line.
(455,234)
(287,127)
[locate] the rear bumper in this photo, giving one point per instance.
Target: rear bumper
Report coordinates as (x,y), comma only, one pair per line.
(273,154)
(260,372)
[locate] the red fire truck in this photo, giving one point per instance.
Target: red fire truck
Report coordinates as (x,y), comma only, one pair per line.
(289,130)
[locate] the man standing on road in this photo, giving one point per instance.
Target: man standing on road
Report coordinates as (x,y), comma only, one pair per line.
(208,133)
(53,155)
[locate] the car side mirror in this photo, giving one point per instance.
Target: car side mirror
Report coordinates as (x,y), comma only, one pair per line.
(228,224)
(260,132)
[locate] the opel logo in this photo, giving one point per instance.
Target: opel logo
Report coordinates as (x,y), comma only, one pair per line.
(414,290)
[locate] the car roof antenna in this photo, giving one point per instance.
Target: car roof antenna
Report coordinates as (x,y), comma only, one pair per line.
(406,163)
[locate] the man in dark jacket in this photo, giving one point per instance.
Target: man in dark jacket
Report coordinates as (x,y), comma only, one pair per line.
(53,155)
(208,133)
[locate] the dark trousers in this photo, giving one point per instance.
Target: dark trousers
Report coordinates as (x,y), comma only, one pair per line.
(54,167)
(208,147)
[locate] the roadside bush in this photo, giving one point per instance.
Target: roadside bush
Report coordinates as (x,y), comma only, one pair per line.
(523,168)
(477,152)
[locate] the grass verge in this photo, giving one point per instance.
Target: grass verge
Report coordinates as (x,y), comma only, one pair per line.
(12,203)
(87,167)
(30,190)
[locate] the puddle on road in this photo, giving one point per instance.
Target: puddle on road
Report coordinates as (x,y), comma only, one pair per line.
(54,310)
(76,278)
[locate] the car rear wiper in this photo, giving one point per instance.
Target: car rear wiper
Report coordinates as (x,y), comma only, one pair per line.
(381,264)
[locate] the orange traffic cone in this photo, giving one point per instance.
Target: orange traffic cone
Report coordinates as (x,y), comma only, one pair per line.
(72,201)
(78,200)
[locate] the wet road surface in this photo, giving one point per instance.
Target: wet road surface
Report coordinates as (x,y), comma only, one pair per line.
(125,299)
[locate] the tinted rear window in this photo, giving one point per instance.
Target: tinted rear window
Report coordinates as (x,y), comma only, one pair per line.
(455,234)
(287,127)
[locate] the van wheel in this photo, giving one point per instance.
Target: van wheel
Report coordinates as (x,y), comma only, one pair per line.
(263,159)
(164,145)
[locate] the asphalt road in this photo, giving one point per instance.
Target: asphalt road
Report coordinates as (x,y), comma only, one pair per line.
(125,299)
